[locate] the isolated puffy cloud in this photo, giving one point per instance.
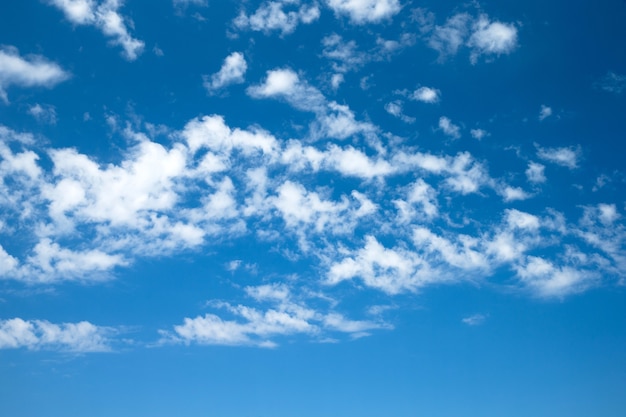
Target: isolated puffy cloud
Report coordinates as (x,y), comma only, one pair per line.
(106,17)
(449,128)
(81,337)
(29,71)
(479,133)
(566,157)
(426,95)
(545,112)
(232,72)
(365,11)
(535,172)
(491,38)
(271,16)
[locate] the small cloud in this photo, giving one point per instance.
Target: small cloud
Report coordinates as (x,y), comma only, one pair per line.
(612,83)
(43,114)
(545,112)
(474,320)
(566,157)
(365,11)
(491,38)
(232,72)
(395,109)
(478,134)
(535,173)
(157,51)
(449,128)
(426,95)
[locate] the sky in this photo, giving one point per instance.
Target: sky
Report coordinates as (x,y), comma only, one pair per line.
(312,208)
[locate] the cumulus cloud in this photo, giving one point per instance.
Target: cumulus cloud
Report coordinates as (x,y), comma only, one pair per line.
(449,128)
(365,11)
(426,95)
(482,36)
(479,133)
(566,157)
(395,109)
(332,119)
(81,337)
(491,38)
(29,71)
(232,72)
(545,112)
(535,173)
(105,16)
(281,314)
(275,16)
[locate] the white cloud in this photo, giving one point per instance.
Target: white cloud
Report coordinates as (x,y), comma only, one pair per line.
(271,16)
(29,71)
(514,194)
(43,113)
(365,11)
(545,112)
(535,173)
(567,157)
(232,72)
(491,38)
(286,316)
(79,337)
(426,95)
(447,39)
(479,133)
(549,280)
(449,128)
(106,17)
(395,109)
(332,119)
(482,36)
(612,83)
(474,319)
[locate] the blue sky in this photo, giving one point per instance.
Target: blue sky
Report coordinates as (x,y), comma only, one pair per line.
(312,208)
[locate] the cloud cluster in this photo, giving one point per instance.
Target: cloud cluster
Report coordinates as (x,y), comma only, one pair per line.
(365,11)
(79,337)
(482,36)
(278,15)
(105,16)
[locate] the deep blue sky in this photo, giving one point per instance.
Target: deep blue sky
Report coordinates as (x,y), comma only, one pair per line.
(312,208)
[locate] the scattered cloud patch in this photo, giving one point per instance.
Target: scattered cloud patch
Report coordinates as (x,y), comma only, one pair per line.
(232,71)
(491,38)
(79,337)
(449,128)
(474,319)
(275,16)
(395,109)
(612,83)
(535,173)
(478,134)
(105,16)
(426,95)
(43,113)
(566,157)
(365,11)
(29,71)
(545,112)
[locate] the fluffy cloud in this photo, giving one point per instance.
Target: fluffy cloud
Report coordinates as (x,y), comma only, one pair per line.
(566,157)
(449,128)
(491,38)
(30,71)
(365,11)
(545,112)
(395,109)
(426,95)
(271,16)
(232,72)
(482,36)
(535,172)
(106,17)
(79,337)
(286,315)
